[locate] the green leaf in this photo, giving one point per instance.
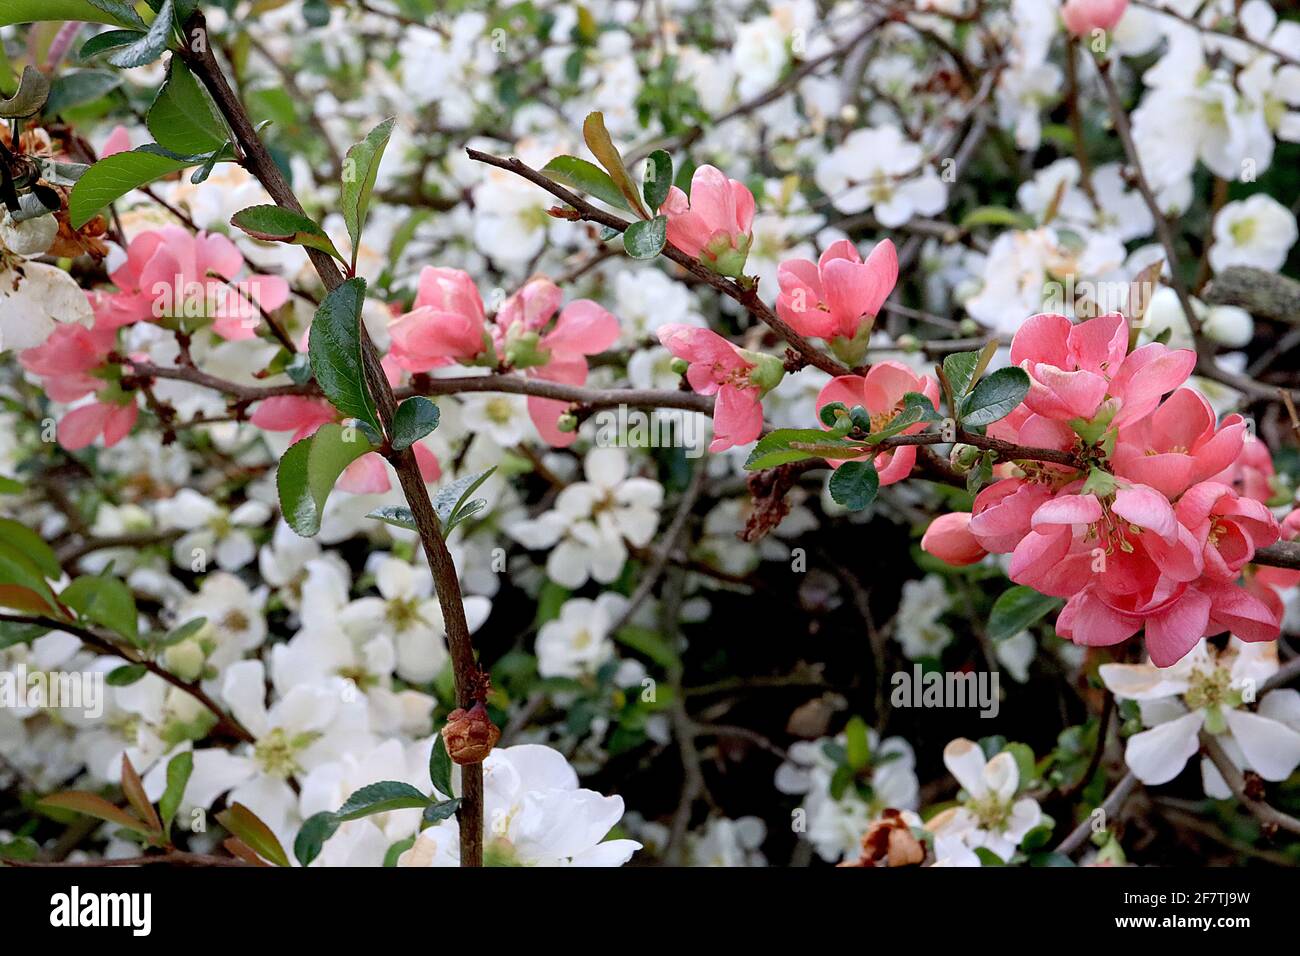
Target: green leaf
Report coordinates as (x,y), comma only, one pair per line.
(126,675)
(246,825)
(106,601)
(586,178)
(1036,838)
(602,147)
(995,397)
(9,486)
(183,117)
(179,769)
(335,350)
(916,408)
(437,812)
(854,484)
(452,501)
(399,516)
(78,88)
(33,91)
(785,445)
(650,643)
(95,806)
(115,176)
(107,40)
(381,798)
(313,833)
(657,179)
(857,744)
(414,418)
(988,858)
(645,238)
(277,224)
(309,469)
(959,370)
(123,11)
(440,766)
(182,633)
(35,11)
(150,46)
(1017,609)
(996,216)
(22,583)
(360,167)
(32,546)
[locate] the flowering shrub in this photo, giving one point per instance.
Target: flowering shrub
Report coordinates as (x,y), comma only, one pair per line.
(547,434)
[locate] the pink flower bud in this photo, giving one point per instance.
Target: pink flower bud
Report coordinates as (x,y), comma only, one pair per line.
(949,539)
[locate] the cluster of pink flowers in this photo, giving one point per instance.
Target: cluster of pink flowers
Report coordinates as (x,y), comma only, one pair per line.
(168,274)
(447,324)
(881,393)
(1154,533)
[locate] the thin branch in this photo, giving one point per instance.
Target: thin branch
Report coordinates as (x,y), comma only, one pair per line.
(1264,812)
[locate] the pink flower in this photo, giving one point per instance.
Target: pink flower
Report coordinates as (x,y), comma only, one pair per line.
(526,339)
(838,297)
(172,273)
(1073,368)
(1251,474)
(1228,527)
(303,416)
(83,424)
(1004,512)
(881,393)
(715,225)
(1083,16)
(949,539)
(446,322)
(1178,444)
(738,377)
(73,362)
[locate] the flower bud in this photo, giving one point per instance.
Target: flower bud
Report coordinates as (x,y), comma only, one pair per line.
(470,734)
(568,422)
(185,659)
(680,366)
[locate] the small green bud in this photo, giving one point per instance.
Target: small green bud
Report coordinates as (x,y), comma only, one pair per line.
(568,422)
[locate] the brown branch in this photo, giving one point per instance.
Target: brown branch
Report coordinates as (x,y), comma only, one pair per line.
(1110,807)
(226,725)
(1265,813)
(468,679)
(747,297)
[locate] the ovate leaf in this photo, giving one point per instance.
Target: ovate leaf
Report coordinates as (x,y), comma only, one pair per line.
(415,418)
(249,828)
(89,11)
(1017,609)
(335,351)
(795,444)
(399,516)
(179,769)
(586,178)
(315,830)
(645,238)
(115,176)
(183,117)
(309,469)
(93,805)
(106,601)
(995,397)
(360,167)
(381,798)
(854,484)
(602,147)
(33,90)
(150,46)
(276,224)
(657,179)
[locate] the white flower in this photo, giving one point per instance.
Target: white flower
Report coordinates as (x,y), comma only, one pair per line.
(594,520)
(917,626)
(725,842)
(578,642)
(212,532)
(306,727)
(34,297)
(1207,690)
(235,623)
(1258,232)
(877,168)
(503,418)
(534,814)
(989,815)
(836,824)
(407,612)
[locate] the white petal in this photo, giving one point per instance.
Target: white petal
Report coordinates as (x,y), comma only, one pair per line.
(965,761)
(1159,754)
(1271,748)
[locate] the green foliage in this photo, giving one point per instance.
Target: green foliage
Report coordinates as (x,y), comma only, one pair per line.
(645,238)
(115,176)
(276,224)
(995,397)
(309,469)
(335,350)
(855,484)
(183,117)
(415,418)
(360,167)
(786,445)
(453,503)
(586,178)
(657,179)
(1017,609)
